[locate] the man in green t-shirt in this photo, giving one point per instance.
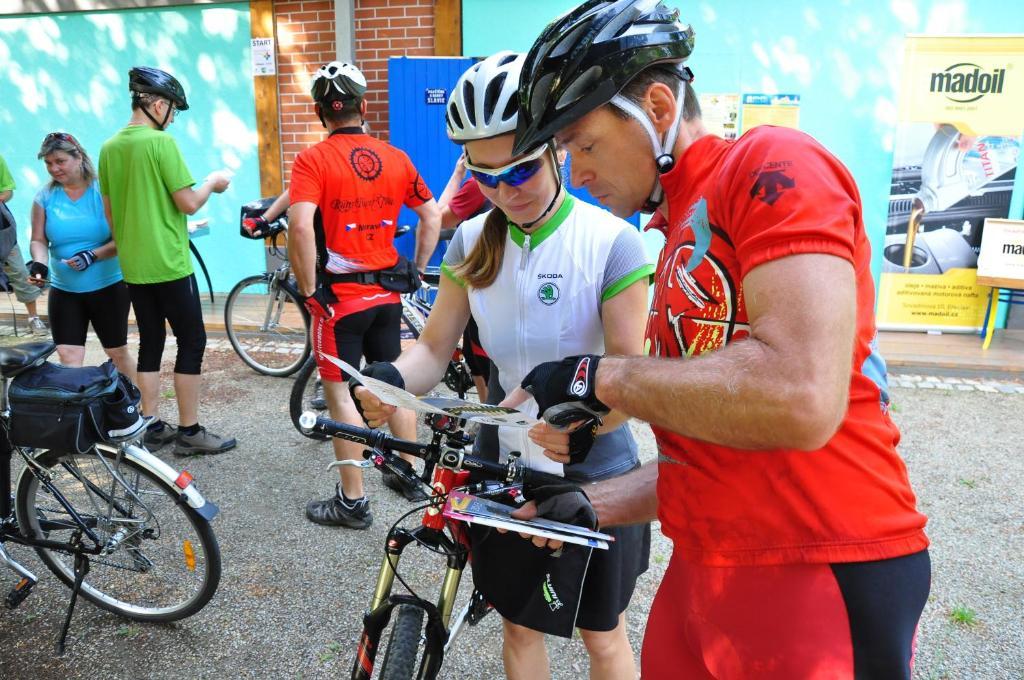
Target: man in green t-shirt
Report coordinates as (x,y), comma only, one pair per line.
(13,263)
(147,192)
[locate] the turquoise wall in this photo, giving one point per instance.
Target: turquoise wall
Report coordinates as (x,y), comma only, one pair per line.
(843,58)
(70,72)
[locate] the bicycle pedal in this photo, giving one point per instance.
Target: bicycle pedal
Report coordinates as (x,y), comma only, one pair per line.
(18,594)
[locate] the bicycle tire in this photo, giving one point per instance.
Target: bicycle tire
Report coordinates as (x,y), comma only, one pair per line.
(277,348)
(404,648)
(302,395)
(136,580)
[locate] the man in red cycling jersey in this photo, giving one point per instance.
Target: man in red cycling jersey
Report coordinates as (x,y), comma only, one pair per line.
(798,548)
(345,195)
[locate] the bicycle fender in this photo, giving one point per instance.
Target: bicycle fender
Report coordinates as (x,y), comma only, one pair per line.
(189,493)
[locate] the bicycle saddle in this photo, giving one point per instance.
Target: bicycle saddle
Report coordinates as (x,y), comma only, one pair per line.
(14,360)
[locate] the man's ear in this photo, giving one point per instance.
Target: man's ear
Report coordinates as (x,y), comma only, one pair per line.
(660,105)
(362,108)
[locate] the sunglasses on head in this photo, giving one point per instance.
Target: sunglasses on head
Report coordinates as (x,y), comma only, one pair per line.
(60,137)
(513,174)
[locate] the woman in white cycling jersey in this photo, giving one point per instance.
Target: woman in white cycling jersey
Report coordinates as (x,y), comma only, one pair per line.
(546,276)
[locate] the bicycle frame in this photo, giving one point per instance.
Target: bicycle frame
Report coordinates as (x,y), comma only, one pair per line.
(430,533)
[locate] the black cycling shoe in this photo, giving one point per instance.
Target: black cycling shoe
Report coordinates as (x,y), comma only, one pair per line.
(396,483)
(334,512)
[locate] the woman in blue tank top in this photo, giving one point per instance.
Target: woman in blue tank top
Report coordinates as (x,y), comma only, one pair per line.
(73,251)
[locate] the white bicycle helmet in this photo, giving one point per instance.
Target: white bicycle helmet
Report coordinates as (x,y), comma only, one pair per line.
(485,102)
(337,80)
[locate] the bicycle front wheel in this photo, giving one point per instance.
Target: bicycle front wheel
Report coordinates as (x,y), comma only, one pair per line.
(307,395)
(405,645)
(266,326)
(160,560)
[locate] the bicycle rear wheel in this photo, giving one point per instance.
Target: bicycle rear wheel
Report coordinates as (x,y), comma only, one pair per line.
(161,561)
(307,395)
(266,325)
(405,644)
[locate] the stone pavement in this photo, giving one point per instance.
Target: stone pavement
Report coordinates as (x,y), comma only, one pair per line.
(932,382)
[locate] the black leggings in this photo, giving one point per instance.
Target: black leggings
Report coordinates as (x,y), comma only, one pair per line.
(175,302)
(106,308)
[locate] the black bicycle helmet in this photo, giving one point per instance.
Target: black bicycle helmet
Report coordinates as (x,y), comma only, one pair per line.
(154,81)
(585,57)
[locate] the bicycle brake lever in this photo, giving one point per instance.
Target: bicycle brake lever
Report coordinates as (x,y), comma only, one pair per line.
(353,463)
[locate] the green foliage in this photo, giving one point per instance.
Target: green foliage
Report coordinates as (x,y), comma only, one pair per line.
(963,615)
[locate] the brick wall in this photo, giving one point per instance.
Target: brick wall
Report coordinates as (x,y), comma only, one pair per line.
(389,28)
(306,40)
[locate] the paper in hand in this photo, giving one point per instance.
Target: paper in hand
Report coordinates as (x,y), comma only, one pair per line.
(457,408)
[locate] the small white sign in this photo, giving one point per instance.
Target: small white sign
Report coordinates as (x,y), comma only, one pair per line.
(1002,250)
(263,63)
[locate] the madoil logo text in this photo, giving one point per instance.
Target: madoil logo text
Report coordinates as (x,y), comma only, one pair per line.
(968,82)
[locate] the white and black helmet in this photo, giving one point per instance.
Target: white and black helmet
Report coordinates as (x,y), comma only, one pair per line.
(485,102)
(337,81)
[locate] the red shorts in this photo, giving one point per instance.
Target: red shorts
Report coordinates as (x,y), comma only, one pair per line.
(789,622)
(373,333)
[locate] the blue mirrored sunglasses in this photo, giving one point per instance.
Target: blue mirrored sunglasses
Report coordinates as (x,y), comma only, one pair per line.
(513,174)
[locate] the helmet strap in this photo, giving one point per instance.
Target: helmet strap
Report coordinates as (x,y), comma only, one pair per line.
(159,126)
(558,188)
(663,157)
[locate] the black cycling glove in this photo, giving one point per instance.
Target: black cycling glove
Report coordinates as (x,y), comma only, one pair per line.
(563,503)
(38,269)
(81,260)
(384,371)
(570,381)
(581,440)
(317,304)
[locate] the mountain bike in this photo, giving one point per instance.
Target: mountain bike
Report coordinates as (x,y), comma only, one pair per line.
(307,390)
(423,631)
(115,524)
(266,322)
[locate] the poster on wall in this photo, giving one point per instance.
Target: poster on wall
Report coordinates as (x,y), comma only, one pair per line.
(770,109)
(954,162)
(720,113)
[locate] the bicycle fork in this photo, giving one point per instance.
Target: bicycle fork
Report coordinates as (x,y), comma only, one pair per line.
(383,603)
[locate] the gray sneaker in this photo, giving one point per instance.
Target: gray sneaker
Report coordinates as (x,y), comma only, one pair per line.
(333,512)
(154,440)
(202,442)
(37,327)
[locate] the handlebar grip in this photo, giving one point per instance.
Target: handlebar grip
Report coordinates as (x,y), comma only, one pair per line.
(446,235)
(539,478)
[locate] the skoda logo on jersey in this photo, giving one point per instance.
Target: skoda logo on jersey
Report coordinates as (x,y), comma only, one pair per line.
(548,293)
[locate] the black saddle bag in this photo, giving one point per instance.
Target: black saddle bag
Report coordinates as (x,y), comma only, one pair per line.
(72,409)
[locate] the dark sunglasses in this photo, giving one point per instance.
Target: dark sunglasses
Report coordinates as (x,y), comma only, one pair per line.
(513,174)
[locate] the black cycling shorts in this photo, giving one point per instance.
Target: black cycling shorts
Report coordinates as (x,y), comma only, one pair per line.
(177,303)
(106,309)
(373,333)
(533,588)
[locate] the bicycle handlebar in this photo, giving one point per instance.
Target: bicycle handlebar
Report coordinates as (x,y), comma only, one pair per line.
(510,473)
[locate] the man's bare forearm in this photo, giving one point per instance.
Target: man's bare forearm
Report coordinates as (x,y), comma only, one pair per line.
(629,499)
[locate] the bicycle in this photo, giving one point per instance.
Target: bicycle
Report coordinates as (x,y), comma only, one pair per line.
(266,322)
(447,467)
(115,524)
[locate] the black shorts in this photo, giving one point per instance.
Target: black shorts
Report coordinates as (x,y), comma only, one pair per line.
(373,333)
(106,309)
(531,588)
(476,358)
(177,303)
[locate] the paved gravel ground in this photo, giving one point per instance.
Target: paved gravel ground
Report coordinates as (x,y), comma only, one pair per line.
(292,593)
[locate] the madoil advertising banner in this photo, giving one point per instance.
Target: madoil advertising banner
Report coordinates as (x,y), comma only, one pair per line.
(954,162)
